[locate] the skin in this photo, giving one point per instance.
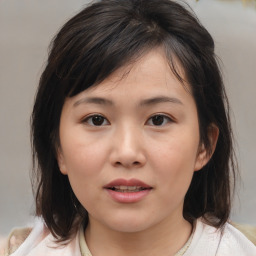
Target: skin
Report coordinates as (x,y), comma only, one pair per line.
(128,145)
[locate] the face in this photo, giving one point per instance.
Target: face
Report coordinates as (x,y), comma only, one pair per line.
(130,146)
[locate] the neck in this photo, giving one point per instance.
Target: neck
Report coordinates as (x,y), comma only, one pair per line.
(166,238)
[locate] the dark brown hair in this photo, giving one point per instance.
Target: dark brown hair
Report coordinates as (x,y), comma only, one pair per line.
(92,45)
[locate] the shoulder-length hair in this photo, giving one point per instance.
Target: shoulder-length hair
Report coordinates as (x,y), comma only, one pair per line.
(92,45)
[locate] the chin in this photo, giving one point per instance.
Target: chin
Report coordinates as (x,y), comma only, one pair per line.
(131,224)
(127,228)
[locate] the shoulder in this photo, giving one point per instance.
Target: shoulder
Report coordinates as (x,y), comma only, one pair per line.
(226,241)
(247,230)
(39,241)
(14,240)
(19,236)
(233,240)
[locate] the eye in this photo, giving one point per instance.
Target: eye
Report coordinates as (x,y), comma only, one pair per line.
(159,120)
(96,120)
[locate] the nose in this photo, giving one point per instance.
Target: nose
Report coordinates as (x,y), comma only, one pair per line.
(128,148)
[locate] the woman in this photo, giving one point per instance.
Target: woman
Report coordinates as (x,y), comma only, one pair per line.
(131,136)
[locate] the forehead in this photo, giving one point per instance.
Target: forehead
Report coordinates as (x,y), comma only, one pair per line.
(149,77)
(153,68)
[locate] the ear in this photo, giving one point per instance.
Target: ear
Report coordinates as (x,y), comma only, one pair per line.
(61,162)
(204,155)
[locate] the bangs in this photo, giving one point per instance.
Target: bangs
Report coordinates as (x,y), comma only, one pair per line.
(87,58)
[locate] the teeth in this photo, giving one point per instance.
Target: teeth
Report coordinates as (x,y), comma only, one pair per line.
(123,187)
(133,188)
(127,188)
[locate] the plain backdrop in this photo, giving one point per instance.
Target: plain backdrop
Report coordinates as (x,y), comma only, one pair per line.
(26,28)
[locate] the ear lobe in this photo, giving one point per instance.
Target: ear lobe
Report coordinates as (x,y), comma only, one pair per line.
(61,162)
(204,155)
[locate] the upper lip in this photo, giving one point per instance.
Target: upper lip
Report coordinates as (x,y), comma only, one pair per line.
(124,182)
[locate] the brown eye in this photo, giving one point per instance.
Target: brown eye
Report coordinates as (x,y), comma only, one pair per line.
(96,120)
(159,120)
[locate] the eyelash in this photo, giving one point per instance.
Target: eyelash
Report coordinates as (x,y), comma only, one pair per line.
(165,118)
(88,120)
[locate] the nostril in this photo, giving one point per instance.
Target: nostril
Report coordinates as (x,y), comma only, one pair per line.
(135,163)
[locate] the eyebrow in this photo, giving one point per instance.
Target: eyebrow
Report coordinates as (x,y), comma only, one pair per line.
(160,99)
(150,101)
(94,100)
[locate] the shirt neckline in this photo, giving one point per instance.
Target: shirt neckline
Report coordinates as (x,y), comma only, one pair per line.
(86,252)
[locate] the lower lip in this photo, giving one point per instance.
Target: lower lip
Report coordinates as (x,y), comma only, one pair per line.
(128,197)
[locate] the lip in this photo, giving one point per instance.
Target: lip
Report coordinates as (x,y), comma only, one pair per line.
(124,182)
(127,197)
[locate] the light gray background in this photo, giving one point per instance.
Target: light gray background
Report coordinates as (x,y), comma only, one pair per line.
(26,28)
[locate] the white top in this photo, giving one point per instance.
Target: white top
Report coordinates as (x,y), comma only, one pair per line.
(206,241)
(229,241)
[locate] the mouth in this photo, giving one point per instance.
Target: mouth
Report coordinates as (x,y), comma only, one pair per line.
(127,189)
(127,186)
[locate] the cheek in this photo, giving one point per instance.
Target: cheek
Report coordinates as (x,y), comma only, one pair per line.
(175,161)
(82,154)
(85,162)
(177,153)
(84,165)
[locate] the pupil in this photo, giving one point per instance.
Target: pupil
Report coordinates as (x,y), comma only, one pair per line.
(98,120)
(158,120)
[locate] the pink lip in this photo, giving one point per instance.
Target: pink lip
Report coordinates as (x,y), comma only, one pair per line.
(127,197)
(123,182)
